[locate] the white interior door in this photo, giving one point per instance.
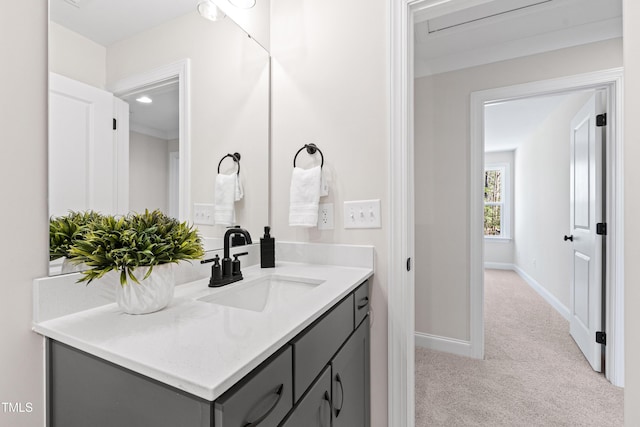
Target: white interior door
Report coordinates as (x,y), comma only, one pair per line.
(82,151)
(586,198)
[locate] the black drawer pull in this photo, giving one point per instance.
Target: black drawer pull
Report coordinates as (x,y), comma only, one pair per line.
(363,303)
(327,399)
(278,391)
(339,380)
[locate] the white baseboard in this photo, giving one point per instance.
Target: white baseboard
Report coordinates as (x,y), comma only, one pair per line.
(548,296)
(499,266)
(444,344)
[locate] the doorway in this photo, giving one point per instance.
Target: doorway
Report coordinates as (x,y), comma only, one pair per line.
(402,250)
(542,156)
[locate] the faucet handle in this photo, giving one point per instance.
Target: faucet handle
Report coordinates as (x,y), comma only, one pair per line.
(235,264)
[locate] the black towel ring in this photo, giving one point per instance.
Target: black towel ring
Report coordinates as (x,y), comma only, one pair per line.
(235,157)
(311,149)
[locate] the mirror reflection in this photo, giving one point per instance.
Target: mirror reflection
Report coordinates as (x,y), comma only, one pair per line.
(146,98)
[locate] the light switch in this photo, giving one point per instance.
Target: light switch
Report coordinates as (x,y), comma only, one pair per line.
(203,214)
(362,214)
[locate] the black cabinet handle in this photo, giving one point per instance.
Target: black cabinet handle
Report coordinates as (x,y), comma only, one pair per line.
(568,238)
(278,391)
(339,380)
(363,303)
(327,398)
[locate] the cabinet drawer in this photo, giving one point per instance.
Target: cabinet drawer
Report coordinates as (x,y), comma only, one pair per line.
(263,398)
(361,307)
(314,409)
(313,348)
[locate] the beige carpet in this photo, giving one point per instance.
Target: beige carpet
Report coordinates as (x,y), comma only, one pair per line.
(533,373)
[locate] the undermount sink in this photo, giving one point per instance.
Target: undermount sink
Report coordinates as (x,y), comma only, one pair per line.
(264,292)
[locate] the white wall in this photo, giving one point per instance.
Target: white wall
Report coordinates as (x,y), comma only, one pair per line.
(442,164)
(631,209)
(23,186)
(330,87)
(542,200)
(77,57)
(500,251)
(148,173)
(229,104)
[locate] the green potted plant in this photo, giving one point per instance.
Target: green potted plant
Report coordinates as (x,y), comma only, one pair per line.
(140,249)
(64,231)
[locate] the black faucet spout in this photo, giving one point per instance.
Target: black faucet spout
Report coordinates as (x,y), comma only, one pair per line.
(230,232)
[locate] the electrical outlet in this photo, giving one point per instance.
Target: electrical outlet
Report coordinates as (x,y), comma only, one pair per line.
(203,214)
(362,214)
(325,216)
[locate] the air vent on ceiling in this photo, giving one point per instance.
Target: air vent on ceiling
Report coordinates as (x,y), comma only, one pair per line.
(477,13)
(76,3)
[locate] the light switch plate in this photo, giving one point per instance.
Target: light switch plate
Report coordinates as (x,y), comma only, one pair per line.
(362,214)
(325,216)
(203,214)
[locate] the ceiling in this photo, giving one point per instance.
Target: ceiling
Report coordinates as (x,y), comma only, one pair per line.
(108,21)
(505,29)
(160,118)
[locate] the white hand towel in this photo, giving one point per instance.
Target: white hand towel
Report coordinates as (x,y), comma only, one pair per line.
(224,199)
(239,190)
(304,197)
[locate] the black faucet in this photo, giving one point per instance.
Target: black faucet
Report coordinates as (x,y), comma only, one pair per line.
(229,272)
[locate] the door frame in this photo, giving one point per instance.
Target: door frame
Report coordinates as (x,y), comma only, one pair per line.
(611,81)
(180,70)
(401,309)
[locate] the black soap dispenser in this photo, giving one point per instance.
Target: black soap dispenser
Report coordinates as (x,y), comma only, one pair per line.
(267,249)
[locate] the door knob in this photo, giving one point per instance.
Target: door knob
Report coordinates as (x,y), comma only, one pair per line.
(568,238)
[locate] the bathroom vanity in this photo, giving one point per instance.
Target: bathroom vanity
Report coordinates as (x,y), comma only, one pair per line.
(287,346)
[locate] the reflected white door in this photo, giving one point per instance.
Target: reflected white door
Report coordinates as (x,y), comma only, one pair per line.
(82,152)
(586,196)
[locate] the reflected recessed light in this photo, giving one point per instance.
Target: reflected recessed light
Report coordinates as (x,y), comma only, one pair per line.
(243,4)
(144,100)
(207,9)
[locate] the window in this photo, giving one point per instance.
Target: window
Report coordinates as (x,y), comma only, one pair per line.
(496,205)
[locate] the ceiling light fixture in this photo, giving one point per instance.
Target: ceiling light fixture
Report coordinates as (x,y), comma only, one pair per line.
(207,9)
(243,4)
(144,100)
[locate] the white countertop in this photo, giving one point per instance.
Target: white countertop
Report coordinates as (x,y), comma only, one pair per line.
(200,347)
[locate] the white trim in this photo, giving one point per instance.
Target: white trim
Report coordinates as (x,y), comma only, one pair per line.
(562,309)
(156,133)
(401,310)
(180,69)
(121,113)
(499,266)
(612,81)
(444,344)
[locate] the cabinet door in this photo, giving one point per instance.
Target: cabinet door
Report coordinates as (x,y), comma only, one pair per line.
(314,409)
(350,381)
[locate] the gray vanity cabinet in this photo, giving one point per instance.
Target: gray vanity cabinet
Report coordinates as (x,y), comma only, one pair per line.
(318,379)
(350,380)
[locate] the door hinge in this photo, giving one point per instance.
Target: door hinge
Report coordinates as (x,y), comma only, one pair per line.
(601,228)
(115,124)
(601,338)
(601,120)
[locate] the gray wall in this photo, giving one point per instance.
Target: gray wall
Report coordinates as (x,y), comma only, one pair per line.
(442,158)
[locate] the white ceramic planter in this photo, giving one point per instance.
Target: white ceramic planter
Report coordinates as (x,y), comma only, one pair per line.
(152,294)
